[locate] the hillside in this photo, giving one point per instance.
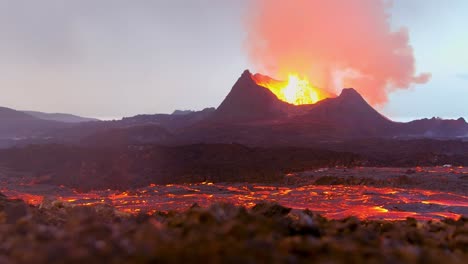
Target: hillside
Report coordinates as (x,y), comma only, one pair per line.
(60,117)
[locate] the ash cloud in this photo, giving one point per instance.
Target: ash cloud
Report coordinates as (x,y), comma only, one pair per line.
(334,43)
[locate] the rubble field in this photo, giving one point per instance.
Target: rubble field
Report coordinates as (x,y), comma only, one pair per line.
(59,232)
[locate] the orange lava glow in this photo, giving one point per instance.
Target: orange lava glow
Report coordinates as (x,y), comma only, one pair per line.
(334,202)
(296,90)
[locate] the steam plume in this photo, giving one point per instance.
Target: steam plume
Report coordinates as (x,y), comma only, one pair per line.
(335,43)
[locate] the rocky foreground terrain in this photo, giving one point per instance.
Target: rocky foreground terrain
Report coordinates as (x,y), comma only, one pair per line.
(57,232)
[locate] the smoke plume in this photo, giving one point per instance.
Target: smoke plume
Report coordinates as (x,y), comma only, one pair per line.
(334,43)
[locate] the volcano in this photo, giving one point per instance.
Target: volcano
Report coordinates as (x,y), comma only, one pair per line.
(258,111)
(248,101)
(252,114)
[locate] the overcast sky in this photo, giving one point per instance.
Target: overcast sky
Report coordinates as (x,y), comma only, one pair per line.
(114,58)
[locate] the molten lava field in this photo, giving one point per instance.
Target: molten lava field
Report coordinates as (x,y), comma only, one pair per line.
(366,193)
(391,215)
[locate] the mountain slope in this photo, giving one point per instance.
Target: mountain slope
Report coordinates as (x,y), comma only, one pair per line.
(15,124)
(435,127)
(134,135)
(172,122)
(347,115)
(8,114)
(60,117)
(349,105)
(248,101)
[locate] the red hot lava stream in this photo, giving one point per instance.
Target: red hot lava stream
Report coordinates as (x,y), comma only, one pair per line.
(331,201)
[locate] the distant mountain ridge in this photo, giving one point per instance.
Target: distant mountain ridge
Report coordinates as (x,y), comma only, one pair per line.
(60,117)
(250,114)
(11,114)
(131,130)
(16,124)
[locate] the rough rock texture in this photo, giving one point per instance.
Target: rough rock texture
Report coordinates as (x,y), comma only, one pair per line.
(56,232)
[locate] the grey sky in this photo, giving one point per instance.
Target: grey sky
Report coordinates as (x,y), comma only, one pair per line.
(113,58)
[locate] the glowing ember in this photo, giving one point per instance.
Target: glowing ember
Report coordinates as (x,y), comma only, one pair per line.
(296,90)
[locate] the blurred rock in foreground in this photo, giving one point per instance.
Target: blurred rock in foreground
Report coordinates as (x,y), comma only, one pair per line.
(57,232)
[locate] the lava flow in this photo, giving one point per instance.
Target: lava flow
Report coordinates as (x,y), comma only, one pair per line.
(334,202)
(384,201)
(295,90)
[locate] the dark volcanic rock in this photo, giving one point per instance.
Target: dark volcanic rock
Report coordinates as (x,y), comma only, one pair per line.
(12,210)
(436,127)
(346,116)
(225,234)
(134,166)
(127,136)
(270,209)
